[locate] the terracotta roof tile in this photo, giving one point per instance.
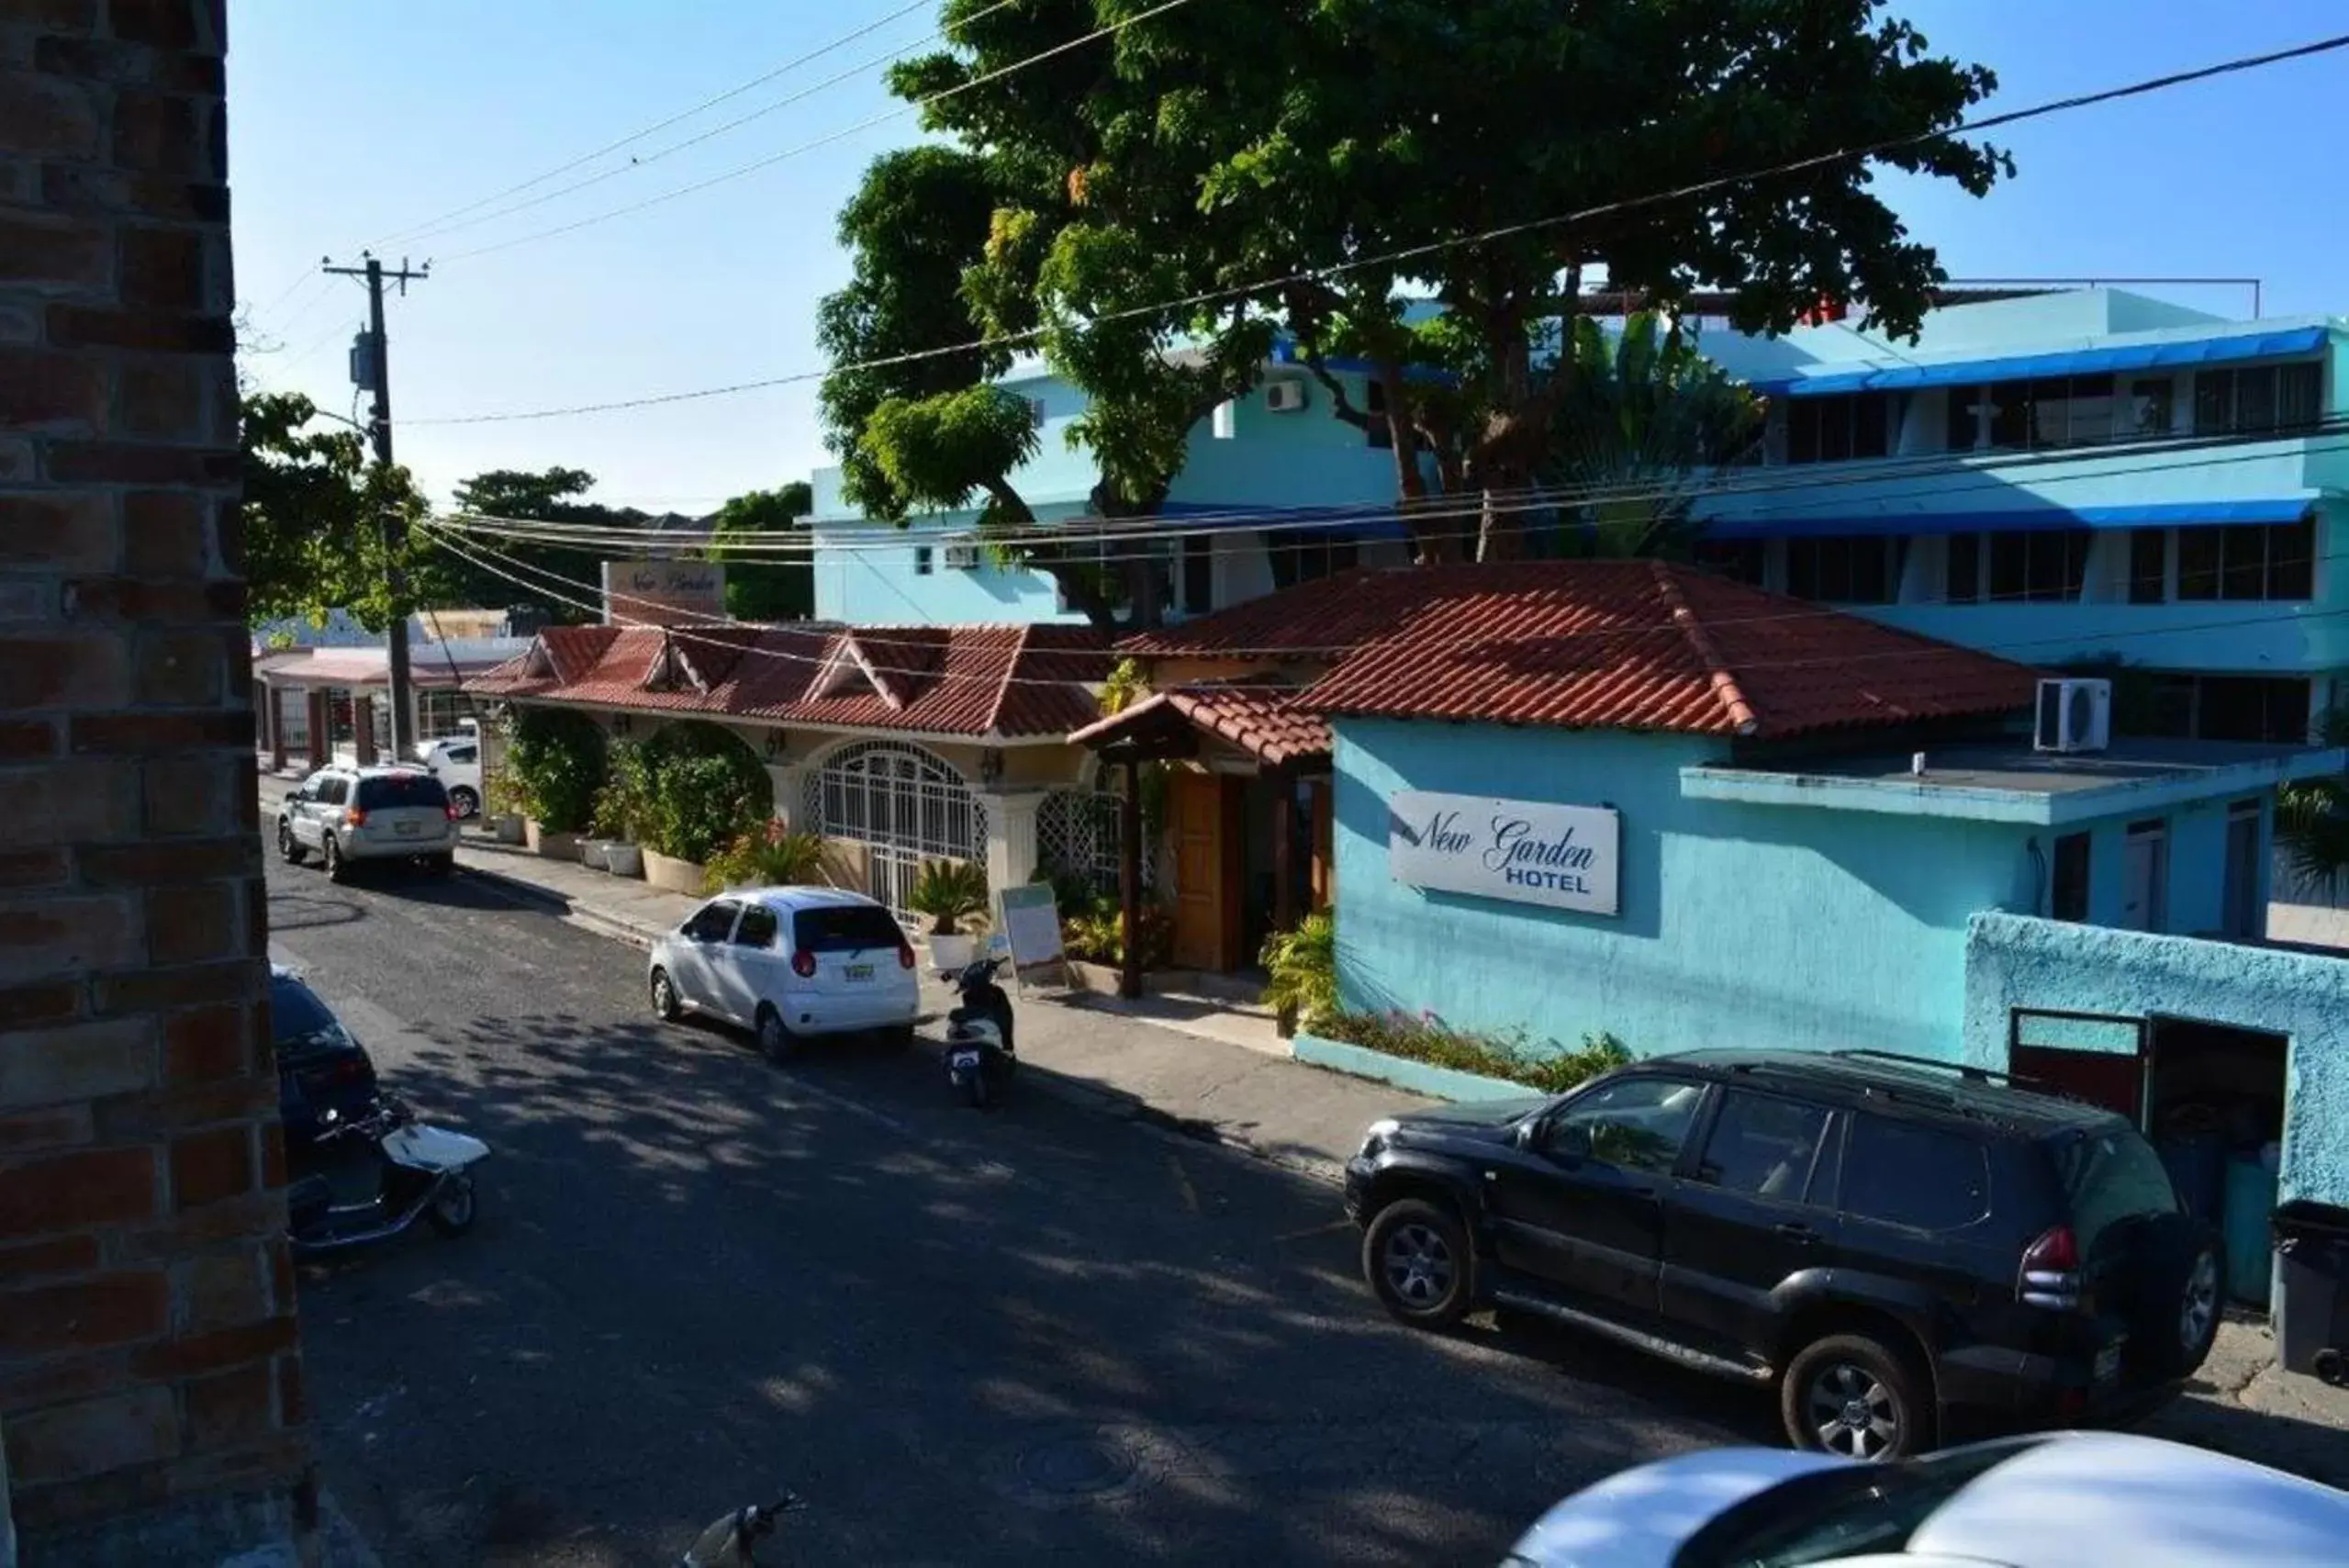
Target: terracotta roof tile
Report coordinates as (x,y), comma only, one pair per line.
(1261,718)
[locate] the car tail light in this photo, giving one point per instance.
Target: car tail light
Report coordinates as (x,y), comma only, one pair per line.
(354,817)
(904,955)
(454,815)
(803,964)
(2051,1271)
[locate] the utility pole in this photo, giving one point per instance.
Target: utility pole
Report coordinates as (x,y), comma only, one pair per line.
(377,364)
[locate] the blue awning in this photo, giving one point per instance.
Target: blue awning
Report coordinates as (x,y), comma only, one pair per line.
(2151,514)
(2175,354)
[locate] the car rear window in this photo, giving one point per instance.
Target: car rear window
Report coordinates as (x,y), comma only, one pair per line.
(296,1015)
(2111,1174)
(1834,1516)
(386,790)
(843,927)
(1907,1174)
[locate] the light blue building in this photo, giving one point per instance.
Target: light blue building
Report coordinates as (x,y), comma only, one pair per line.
(2079,476)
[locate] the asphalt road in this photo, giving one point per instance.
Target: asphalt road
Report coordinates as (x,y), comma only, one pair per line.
(1033,1335)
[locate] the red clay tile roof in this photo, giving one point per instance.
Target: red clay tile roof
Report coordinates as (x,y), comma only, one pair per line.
(1622,645)
(1330,616)
(1260,719)
(1009,681)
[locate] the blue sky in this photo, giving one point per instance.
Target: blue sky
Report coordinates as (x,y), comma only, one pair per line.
(350,123)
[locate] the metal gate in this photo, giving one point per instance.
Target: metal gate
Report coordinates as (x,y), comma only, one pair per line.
(905,806)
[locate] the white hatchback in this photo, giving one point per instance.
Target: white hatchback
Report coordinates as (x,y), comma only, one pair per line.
(789,963)
(455,761)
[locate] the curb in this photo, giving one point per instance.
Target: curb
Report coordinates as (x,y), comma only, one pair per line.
(562,909)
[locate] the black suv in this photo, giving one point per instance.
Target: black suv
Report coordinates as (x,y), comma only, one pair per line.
(1903,1247)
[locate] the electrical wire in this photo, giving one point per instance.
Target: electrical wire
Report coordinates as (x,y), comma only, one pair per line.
(634,164)
(2153,84)
(775,158)
(433,224)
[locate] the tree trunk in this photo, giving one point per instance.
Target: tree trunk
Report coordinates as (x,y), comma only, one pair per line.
(1430,540)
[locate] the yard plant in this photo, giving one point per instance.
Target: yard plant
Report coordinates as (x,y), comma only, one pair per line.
(949,893)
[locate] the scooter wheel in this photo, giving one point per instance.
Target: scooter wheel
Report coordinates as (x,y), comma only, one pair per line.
(974,1090)
(454,1207)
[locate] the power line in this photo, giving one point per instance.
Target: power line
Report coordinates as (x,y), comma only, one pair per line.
(774,158)
(2159,83)
(432,225)
(634,164)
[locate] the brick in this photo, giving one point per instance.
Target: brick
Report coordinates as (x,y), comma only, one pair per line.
(221,1288)
(293,1400)
(50,252)
(158,133)
(97,462)
(132,599)
(281,1273)
(179,1110)
(230,534)
(51,391)
(163,534)
(172,25)
(84,1315)
(94,59)
(151,332)
(239,980)
(22,740)
(177,669)
(62,533)
(65,935)
(281,1459)
(238,1219)
(56,1255)
(122,1494)
(209,1044)
(76,670)
(221,1349)
(54,1381)
(188,796)
(207,1167)
(136,1427)
(35,869)
(99,1186)
(46,119)
(43,1132)
(163,398)
(133,865)
(117,733)
(19,324)
(28,601)
(67,803)
(231,1407)
(188,925)
(77,1062)
(273,1156)
(57,15)
(24,1005)
(17,465)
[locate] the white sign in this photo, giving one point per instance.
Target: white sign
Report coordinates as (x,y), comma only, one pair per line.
(652,592)
(1031,921)
(1565,857)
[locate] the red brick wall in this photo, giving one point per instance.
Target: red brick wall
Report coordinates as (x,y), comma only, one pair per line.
(150,1377)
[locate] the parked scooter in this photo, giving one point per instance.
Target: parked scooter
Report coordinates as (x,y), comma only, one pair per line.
(422,1172)
(731,1541)
(980,1058)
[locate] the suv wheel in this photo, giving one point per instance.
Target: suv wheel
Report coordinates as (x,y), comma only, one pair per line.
(2179,1294)
(2197,1315)
(289,848)
(1852,1395)
(1417,1258)
(332,853)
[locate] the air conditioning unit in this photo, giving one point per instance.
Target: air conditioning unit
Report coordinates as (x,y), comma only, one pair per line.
(1284,396)
(2073,715)
(960,556)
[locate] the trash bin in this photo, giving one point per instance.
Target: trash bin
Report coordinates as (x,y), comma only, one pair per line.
(2312,1304)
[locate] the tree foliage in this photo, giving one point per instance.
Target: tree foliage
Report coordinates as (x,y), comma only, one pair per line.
(2312,816)
(318,517)
(765,587)
(563,580)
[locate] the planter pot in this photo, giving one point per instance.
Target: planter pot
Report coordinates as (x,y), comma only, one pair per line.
(507,827)
(623,859)
(550,845)
(951,952)
(591,852)
(672,875)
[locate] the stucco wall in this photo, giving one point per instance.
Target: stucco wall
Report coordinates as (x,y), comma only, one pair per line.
(2014,961)
(1740,924)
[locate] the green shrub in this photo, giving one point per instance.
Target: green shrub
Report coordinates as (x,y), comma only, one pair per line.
(767,857)
(1303,966)
(1098,935)
(949,893)
(556,759)
(700,803)
(1424,1038)
(624,805)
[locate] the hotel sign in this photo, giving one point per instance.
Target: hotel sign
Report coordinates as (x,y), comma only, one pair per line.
(1532,852)
(650,592)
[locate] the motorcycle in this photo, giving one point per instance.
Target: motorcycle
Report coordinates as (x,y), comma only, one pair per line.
(979,1057)
(422,1172)
(731,1542)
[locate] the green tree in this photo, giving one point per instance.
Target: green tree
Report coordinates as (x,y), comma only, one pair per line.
(2312,816)
(765,587)
(317,518)
(565,581)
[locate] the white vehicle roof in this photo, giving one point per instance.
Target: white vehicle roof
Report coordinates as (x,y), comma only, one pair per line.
(790,898)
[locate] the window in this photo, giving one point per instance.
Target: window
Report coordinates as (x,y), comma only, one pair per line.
(297,1016)
(464,755)
(2038,567)
(1838,428)
(1198,575)
(334,790)
(390,791)
(1636,1123)
(713,922)
(923,561)
(2054,412)
(437,711)
(2110,1175)
(1763,1145)
(1851,568)
(2145,877)
(2248,561)
(2147,410)
(1304,555)
(2068,890)
(1964,430)
(1964,568)
(845,928)
(1847,1514)
(2258,398)
(1739,560)
(758,927)
(1909,1174)
(2149,566)
(2009,405)
(2252,708)
(2239,911)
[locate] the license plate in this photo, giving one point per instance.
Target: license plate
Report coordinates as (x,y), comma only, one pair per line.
(964,1058)
(406,830)
(2109,1362)
(856,971)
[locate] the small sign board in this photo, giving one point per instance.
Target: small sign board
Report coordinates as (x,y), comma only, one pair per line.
(1528,851)
(1029,918)
(653,592)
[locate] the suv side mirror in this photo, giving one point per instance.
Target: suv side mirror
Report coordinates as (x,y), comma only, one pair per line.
(1567,1142)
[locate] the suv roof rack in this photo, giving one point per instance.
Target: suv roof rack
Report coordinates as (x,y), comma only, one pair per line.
(1965,1070)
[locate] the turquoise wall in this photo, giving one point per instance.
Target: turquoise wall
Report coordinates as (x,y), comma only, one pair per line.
(1741,925)
(2013,961)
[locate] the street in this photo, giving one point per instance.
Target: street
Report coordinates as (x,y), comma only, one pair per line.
(1030,1335)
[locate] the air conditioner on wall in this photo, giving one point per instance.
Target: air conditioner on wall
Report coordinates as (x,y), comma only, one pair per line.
(2073,715)
(1284,396)
(959,555)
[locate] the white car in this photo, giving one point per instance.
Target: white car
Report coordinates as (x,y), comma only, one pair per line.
(455,761)
(789,963)
(2057,1500)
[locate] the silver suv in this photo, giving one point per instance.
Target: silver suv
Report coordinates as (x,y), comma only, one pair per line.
(346,815)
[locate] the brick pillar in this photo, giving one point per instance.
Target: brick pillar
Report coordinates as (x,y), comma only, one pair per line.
(151,1390)
(321,730)
(278,728)
(363,728)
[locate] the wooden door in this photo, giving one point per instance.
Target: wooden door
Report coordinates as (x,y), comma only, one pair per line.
(1204,889)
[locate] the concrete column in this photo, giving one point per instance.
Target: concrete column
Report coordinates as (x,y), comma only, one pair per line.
(790,781)
(363,729)
(1011,836)
(321,728)
(276,729)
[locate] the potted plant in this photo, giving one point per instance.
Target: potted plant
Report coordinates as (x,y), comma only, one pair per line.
(556,759)
(950,893)
(769,857)
(503,812)
(698,805)
(623,807)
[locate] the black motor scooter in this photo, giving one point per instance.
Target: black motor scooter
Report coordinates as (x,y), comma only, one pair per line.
(979,1057)
(422,1172)
(731,1542)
